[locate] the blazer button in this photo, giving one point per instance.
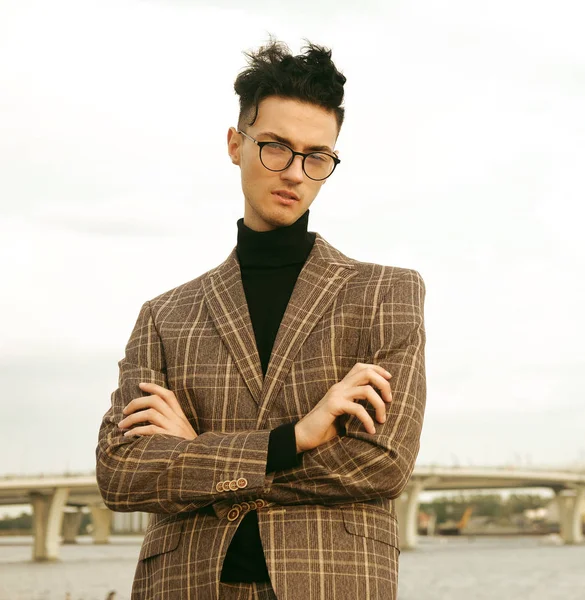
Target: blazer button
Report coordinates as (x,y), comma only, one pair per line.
(233,485)
(219,486)
(233,514)
(242,482)
(260,503)
(226,486)
(253,505)
(245,506)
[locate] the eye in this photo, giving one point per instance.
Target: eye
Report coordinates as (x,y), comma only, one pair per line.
(319,158)
(276,147)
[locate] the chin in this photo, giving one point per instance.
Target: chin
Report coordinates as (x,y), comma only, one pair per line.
(284,219)
(281,218)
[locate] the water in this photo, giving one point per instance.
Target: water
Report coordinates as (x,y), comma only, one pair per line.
(507,568)
(512,568)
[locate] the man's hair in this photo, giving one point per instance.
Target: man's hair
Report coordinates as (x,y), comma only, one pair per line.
(274,71)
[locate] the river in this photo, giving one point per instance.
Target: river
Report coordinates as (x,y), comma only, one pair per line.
(483,568)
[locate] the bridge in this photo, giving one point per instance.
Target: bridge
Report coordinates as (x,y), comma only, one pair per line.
(56,501)
(568,486)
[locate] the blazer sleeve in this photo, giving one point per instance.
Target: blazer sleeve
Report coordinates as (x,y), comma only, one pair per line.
(359,466)
(165,473)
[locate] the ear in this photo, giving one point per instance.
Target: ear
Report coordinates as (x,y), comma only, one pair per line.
(234,143)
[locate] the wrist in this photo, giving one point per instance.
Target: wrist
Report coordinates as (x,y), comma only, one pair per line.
(298,438)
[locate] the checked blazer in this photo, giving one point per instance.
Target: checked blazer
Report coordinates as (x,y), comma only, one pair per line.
(328,526)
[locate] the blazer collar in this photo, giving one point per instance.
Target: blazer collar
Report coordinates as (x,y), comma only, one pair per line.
(324,273)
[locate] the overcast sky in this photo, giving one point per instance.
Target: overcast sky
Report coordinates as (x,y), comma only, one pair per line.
(462,157)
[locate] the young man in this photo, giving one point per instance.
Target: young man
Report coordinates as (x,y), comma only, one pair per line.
(254,416)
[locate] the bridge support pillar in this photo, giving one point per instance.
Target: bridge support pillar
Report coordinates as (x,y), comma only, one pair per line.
(407,512)
(431,528)
(570,511)
(71,523)
(47,522)
(102,524)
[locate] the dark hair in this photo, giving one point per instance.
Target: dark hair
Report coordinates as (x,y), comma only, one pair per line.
(274,71)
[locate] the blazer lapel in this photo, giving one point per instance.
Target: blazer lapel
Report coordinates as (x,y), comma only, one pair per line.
(323,275)
(226,301)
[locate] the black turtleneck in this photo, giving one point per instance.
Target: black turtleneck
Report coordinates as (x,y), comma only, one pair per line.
(270,262)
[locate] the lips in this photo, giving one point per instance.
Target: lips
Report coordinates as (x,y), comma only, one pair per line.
(286,194)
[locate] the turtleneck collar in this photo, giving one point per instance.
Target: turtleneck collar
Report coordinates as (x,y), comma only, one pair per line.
(283,246)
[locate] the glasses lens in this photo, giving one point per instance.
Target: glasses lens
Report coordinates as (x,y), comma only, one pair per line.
(275,156)
(319,165)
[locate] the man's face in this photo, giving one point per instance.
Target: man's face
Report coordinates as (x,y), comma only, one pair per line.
(304,126)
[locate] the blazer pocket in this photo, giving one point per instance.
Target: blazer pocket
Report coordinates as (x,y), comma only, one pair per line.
(372,523)
(163,537)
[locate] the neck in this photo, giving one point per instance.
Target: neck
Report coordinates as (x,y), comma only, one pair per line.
(278,247)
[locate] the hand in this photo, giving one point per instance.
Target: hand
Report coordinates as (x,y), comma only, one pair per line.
(321,424)
(163,411)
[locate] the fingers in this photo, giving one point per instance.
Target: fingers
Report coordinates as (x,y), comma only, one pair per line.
(146,430)
(167,402)
(168,396)
(162,410)
(359,383)
(151,415)
(362,366)
(373,375)
(351,408)
(143,402)
(368,393)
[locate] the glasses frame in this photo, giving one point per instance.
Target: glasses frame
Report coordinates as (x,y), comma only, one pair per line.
(260,145)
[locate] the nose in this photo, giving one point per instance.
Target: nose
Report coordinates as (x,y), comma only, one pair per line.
(294,172)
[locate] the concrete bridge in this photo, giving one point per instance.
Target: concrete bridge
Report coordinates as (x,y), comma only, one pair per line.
(568,486)
(57,501)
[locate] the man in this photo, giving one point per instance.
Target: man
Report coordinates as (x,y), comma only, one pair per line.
(254,416)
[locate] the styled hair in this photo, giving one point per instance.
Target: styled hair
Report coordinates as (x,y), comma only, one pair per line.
(273,71)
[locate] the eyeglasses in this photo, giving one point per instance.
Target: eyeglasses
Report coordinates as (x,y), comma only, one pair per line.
(278,157)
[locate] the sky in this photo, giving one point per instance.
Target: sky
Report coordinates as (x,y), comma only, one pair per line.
(462,157)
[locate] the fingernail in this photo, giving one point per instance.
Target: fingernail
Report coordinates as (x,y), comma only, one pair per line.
(388,374)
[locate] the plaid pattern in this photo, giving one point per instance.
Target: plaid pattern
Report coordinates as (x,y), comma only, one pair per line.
(328,526)
(246,591)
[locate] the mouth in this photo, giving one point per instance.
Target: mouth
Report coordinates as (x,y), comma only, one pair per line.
(286,195)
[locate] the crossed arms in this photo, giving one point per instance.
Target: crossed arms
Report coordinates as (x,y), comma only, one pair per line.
(167,474)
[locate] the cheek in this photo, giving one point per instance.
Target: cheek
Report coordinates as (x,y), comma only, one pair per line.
(252,171)
(256,180)
(313,190)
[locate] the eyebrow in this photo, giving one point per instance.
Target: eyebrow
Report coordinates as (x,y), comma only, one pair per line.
(286,141)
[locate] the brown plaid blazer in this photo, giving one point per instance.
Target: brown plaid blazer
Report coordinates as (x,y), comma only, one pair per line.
(328,527)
